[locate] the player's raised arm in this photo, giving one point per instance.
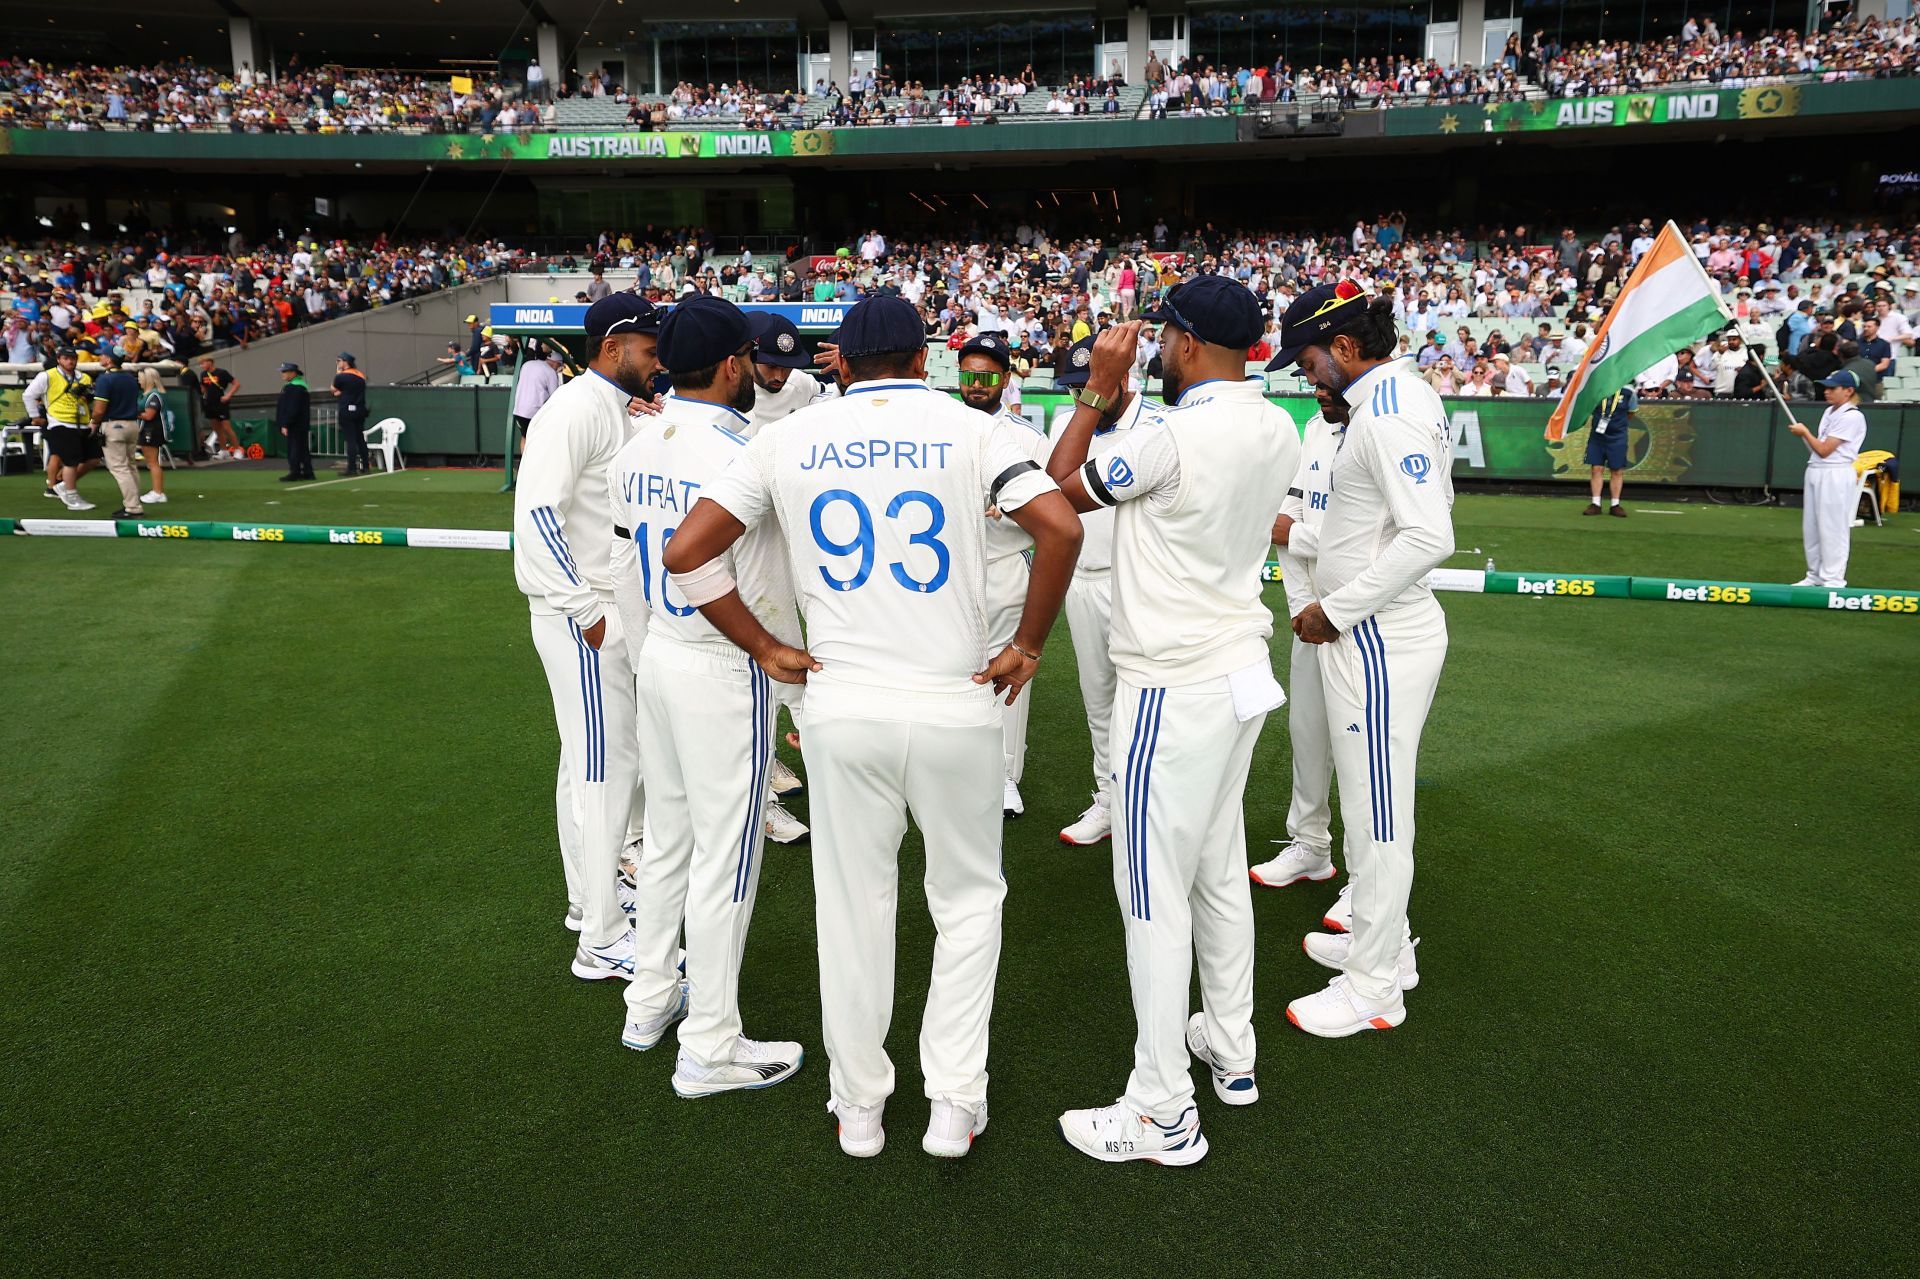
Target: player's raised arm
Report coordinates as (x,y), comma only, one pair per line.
(1100,401)
(696,561)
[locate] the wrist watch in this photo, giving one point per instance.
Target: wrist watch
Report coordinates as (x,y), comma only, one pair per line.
(1098,403)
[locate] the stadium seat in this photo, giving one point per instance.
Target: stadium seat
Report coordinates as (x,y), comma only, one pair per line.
(383,437)
(1868,467)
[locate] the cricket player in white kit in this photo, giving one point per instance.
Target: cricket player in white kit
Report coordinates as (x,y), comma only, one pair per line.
(1196,486)
(1308,854)
(1089,606)
(1383,635)
(706,717)
(1832,489)
(985,365)
(562,531)
(880,495)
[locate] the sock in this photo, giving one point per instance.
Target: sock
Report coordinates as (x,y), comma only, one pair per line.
(1616,501)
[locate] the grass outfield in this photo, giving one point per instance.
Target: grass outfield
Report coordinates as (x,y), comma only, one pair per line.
(283,984)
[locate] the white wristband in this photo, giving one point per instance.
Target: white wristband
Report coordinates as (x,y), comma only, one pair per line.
(705,584)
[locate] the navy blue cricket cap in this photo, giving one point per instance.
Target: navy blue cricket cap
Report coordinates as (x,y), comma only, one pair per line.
(1842,378)
(1215,309)
(1315,317)
(700,332)
(289,367)
(621,313)
(880,325)
(1079,363)
(992,345)
(776,341)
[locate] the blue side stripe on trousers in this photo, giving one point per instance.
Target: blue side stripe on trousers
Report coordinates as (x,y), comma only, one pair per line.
(760,743)
(1146,794)
(593,711)
(1129,791)
(1373,654)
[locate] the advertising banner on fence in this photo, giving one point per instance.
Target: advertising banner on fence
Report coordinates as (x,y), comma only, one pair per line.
(561,318)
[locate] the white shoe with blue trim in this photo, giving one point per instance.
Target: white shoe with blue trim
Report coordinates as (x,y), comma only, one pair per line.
(1116,1134)
(1235,1087)
(754,1065)
(642,1035)
(597,963)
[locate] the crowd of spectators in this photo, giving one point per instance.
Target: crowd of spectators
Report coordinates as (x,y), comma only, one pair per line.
(161,298)
(186,95)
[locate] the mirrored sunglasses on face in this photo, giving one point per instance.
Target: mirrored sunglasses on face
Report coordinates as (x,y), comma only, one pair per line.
(981,379)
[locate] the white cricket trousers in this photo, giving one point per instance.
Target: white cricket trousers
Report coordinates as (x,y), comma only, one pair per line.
(1089,609)
(1180,874)
(1309,814)
(865,775)
(1006,599)
(1826,521)
(1378,679)
(706,728)
(599,764)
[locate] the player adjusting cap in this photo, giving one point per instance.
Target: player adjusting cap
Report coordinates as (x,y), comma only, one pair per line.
(776,341)
(1315,317)
(700,332)
(1844,378)
(1079,364)
(991,345)
(880,325)
(621,313)
(1217,310)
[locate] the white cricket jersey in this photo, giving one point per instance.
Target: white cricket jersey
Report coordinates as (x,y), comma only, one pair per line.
(1848,423)
(1096,542)
(656,478)
(802,389)
(1197,485)
(1004,537)
(1390,513)
(562,516)
(880,494)
(1306,501)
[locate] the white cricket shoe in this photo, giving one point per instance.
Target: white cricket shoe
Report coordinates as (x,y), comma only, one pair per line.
(1115,1134)
(861,1134)
(1340,1010)
(1330,950)
(785,780)
(1235,1087)
(74,502)
(1010,803)
(576,919)
(951,1129)
(1091,826)
(783,827)
(754,1065)
(153,499)
(1806,581)
(597,963)
(1339,918)
(1295,863)
(239,455)
(623,888)
(642,1035)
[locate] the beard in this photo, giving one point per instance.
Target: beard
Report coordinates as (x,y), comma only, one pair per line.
(743,396)
(988,406)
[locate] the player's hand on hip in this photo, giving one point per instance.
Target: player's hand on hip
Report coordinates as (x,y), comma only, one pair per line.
(786,664)
(594,634)
(1282,529)
(1313,627)
(1113,353)
(1008,672)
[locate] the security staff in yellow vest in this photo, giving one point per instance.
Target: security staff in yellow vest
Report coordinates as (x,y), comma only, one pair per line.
(60,399)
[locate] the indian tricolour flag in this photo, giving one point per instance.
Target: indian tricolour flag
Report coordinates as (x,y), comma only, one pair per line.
(1668,302)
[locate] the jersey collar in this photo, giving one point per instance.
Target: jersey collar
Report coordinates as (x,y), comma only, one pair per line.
(612,385)
(1354,395)
(706,410)
(887,384)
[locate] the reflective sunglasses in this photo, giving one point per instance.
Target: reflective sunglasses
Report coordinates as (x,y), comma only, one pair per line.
(981,379)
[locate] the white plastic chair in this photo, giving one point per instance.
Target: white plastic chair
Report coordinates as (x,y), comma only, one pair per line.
(383,437)
(1869,480)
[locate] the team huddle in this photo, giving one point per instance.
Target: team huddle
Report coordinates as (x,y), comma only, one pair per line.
(887,562)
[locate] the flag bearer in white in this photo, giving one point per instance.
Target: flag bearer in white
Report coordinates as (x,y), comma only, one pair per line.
(562,528)
(1196,485)
(879,494)
(1090,602)
(1832,490)
(1389,523)
(984,367)
(705,716)
(1308,854)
